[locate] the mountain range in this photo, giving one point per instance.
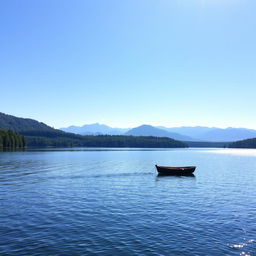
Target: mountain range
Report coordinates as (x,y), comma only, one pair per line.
(38,134)
(30,127)
(184,133)
(95,129)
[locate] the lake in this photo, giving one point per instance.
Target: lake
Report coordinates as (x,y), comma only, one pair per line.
(111,202)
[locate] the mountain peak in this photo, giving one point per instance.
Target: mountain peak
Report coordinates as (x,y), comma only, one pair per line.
(149,130)
(95,129)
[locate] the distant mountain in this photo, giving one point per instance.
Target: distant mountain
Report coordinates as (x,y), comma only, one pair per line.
(184,133)
(194,132)
(228,134)
(95,129)
(213,134)
(148,130)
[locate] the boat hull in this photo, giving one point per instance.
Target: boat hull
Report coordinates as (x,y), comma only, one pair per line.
(180,171)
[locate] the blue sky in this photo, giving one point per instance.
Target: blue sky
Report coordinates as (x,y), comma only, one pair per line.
(130,62)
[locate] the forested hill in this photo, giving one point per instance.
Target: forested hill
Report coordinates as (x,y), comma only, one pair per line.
(250,143)
(39,134)
(8,122)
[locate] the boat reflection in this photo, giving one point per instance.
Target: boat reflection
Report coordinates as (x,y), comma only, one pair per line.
(162,177)
(168,175)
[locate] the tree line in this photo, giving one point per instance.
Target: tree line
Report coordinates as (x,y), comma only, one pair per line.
(63,139)
(11,140)
(249,143)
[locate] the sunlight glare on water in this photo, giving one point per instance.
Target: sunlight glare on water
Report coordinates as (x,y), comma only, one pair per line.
(232,151)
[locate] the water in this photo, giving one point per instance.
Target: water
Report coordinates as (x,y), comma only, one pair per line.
(111,202)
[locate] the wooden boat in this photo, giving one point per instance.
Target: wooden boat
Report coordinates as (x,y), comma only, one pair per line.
(168,170)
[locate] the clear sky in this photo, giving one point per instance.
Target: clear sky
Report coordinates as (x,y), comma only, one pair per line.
(129,62)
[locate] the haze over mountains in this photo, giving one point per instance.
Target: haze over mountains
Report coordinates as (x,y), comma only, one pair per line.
(214,134)
(148,130)
(185,133)
(95,129)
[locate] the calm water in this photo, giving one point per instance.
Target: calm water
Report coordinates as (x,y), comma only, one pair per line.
(111,202)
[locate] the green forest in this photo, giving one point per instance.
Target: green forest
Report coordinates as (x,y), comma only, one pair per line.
(250,143)
(11,140)
(72,140)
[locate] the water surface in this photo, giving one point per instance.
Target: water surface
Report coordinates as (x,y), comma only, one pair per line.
(111,202)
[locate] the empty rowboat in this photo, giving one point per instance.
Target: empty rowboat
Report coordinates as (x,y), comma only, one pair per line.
(168,170)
